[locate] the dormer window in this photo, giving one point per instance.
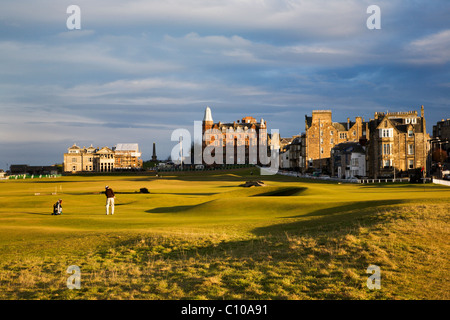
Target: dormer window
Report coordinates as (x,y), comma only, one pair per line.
(414,120)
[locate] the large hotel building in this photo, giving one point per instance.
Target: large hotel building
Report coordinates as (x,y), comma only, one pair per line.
(243,139)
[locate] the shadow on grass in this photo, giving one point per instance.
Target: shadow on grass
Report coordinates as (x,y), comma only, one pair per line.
(327,218)
(283,192)
(172,209)
(351,206)
(38,213)
(188,193)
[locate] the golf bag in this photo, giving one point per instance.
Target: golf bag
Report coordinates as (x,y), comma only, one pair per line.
(57,208)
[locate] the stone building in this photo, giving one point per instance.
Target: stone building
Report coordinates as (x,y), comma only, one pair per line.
(441,136)
(284,158)
(121,157)
(242,139)
(348,160)
(397,144)
(322,134)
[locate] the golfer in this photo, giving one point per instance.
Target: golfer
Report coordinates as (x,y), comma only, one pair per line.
(109,200)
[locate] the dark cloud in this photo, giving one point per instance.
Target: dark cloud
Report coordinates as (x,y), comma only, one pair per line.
(137,70)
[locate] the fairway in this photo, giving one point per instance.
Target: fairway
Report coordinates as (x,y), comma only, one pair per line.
(203,236)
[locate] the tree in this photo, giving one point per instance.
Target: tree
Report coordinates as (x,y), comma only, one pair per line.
(439,155)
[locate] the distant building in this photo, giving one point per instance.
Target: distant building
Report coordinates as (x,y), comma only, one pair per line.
(284,158)
(322,134)
(240,137)
(17,169)
(127,156)
(398,143)
(348,160)
(441,136)
(121,157)
(442,130)
(2,174)
(295,154)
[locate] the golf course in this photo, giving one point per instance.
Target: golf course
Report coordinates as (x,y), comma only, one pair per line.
(201,235)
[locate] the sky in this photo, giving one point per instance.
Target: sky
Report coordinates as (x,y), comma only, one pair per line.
(137,70)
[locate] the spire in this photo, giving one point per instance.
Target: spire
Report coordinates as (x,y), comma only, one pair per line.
(208,116)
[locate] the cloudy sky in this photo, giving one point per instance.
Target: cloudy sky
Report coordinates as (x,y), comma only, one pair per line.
(139,69)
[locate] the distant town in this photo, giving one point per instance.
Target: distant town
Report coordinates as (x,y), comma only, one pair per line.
(391,145)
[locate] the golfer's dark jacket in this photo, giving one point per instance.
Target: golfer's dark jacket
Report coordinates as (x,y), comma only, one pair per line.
(109,193)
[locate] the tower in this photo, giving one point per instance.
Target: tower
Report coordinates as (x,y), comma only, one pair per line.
(207,125)
(154,158)
(207,119)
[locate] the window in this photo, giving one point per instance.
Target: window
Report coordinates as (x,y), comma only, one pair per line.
(411,164)
(410,149)
(414,120)
(321,150)
(332,141)
(343,135)
(386,148)
(387,163)
(354,133)
(407,120)
(321,140)
(386,133)
(410,133)
(331,132)
(74,159)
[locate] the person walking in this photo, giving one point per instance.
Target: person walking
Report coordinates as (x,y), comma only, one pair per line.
(109,200)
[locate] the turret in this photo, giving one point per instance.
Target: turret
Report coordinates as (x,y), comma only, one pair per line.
(207,119)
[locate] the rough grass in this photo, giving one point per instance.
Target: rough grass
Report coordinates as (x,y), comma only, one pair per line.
(203,237)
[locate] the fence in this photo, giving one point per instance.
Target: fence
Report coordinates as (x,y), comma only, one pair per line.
(28,176)
(354,180)
(442,182)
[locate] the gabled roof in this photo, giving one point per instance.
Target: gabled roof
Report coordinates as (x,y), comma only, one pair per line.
(105,150)
(339,126)
(391,124)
